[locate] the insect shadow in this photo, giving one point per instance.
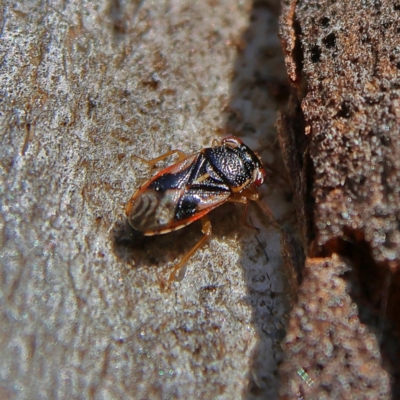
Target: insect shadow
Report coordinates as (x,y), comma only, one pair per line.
(135,249)
(161,252)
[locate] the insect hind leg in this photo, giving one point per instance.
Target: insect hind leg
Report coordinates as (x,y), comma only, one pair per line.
(207,230)
(152,162)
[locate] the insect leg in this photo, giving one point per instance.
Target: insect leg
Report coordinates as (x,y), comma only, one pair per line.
(207,230)
(181,156)
(244,197)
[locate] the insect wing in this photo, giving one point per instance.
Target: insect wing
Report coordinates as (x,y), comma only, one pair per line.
(151,209)
(175,176)
(176,196)
(194,204)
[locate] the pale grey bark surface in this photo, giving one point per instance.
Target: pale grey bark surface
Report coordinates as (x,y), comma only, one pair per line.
(85,86)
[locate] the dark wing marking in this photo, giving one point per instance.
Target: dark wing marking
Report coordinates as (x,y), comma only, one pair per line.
(175,176)
(195,200)
(186,220)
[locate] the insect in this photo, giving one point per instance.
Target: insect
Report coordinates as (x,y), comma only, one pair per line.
(189,189)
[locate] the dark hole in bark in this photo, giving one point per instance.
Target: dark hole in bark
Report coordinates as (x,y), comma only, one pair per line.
(324,21)
(315,54)
(345,110)
(330,40)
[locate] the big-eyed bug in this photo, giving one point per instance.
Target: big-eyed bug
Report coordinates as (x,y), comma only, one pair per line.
(189,189)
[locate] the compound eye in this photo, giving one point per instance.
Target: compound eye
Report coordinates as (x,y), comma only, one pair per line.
(259,176)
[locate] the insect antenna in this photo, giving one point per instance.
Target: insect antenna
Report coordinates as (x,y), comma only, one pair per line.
(152,162)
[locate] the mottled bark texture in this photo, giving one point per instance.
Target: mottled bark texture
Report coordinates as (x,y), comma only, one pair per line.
(330,354)
(344,58)
(341,144)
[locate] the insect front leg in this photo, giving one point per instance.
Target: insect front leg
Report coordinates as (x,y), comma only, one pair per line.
(207,230)
(244,197)
(181,156)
